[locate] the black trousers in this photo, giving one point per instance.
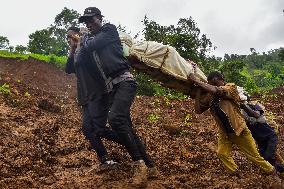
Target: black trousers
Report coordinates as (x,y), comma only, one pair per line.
(114,107)
(267,148)
(94,126)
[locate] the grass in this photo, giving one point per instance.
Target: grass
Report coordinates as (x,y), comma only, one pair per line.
(59,61)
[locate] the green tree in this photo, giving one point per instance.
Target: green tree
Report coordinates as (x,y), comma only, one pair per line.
(4,42)
(60,45)
(252,50)
(65,19)
(52,40)
(256,71)
(232,71)
(185,37)
(21,49)
(281,54)
(11,48)
(210,64)
(234,57)
(251,86)
(41,42)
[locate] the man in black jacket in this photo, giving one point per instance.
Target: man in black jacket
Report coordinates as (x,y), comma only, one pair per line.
(90,91)
(104,46)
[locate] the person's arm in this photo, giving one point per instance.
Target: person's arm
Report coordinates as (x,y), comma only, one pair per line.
(198,105)
(207,87)
(69,67)
(249,111)
(248,119)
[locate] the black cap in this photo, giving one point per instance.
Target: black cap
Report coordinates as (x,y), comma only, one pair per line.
(90,12)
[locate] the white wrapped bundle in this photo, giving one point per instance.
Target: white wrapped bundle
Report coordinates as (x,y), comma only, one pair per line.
(126,41)
(165,58)
(161,62)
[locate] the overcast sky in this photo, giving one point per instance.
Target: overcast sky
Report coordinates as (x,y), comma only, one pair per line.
(234,26)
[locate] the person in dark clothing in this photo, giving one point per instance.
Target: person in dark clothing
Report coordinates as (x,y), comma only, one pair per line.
(95,101)
(90,97)
(103,45)
(262,132)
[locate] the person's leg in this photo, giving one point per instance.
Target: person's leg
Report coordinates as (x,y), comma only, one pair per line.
(224,153)
(94,127)
(262,145)
(142,149)
(95,141)
(270,153)
(279,163)
(121,100)
(270,150)
(279,168)
(98,110)
(246,144)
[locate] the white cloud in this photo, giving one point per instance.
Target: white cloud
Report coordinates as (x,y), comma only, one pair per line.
(233,26)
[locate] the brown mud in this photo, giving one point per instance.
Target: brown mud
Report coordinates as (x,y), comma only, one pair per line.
(42,146)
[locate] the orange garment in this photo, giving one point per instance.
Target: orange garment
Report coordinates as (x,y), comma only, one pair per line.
(229,104)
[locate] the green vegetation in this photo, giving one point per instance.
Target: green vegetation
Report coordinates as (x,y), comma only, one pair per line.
(59,61)
(152,117)
(4,42)
(5,89)
(184,133)
(149,87)
(256,72)
(185,37)
(187,120)
(27,94)
(52,40)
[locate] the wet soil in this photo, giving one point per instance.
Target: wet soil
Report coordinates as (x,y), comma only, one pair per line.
(42,146)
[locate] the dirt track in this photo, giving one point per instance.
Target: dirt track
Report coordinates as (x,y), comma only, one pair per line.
(41,145)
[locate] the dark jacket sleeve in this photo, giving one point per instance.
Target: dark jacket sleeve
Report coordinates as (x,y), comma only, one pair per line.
(107,35)
(69,67)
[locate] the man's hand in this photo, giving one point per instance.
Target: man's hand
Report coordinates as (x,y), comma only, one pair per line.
(250,111)
(84,30)
(73,44)
(84,39)
(76,37)
(192,77)
(207,87)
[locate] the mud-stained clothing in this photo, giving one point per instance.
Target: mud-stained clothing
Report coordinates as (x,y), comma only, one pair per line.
(225,108)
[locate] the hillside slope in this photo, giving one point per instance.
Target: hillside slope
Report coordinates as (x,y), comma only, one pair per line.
(41,145)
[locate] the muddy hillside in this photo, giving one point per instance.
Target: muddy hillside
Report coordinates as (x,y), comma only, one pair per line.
(41,145)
